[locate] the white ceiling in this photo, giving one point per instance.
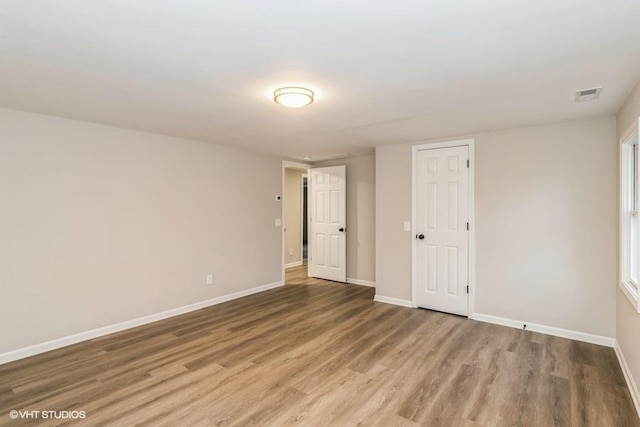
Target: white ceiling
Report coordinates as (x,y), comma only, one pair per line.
(385,71)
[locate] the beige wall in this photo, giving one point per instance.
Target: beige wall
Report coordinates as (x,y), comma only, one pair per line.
(627,319)
(292,215)
(393,207)
(546,224)
(102,225)
(629,112)
(361,231)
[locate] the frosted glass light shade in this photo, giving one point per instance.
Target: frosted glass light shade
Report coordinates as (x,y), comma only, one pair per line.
(293,97)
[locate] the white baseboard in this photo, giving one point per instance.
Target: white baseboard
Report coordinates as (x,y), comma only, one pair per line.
(293,264)
(32,350)
(549,330)
(394,301)
(361,282)
(633,386)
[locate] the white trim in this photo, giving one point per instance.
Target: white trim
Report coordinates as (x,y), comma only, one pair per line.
(32,350)
(302,217)
(361,282)
(631,294)
(631,384)
(394,301)
(293,264)
(634,128)
(470,143)
(286,164)
(549,330)
(624,163)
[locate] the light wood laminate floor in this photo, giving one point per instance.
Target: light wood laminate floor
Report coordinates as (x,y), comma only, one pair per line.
(322,353)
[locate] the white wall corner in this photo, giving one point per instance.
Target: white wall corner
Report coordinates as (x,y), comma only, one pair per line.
(33,350)
(394,301)
(631,383)
(361,282)
(544,329)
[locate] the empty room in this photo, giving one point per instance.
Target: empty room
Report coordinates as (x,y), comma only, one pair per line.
(274,213)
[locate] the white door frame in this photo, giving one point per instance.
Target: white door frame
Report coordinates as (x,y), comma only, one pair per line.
(302,217)
(288,165)
(414,218)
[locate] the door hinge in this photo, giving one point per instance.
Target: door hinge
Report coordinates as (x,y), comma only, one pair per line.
(467,226)
(467,164)
(467,288)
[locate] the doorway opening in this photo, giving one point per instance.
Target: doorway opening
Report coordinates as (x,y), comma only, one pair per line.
(294,217)
(315,232)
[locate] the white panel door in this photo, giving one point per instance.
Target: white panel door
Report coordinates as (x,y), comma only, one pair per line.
(442,236)
(327,224)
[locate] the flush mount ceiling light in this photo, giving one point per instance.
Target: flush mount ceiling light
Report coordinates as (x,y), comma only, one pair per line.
(293,97)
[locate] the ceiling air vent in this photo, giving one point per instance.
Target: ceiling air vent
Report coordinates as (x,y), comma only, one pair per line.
(588,94)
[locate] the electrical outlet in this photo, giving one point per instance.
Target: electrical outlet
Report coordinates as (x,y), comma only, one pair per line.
(209,279)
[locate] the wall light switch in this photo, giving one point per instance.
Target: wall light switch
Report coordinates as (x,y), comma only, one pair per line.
(407,226)
(278,222)
(209,279)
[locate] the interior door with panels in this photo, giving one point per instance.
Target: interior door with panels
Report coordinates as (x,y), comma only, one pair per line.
(442,223)
(327,230)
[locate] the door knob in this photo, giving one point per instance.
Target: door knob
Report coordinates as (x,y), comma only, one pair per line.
(341,229)
(420,236)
